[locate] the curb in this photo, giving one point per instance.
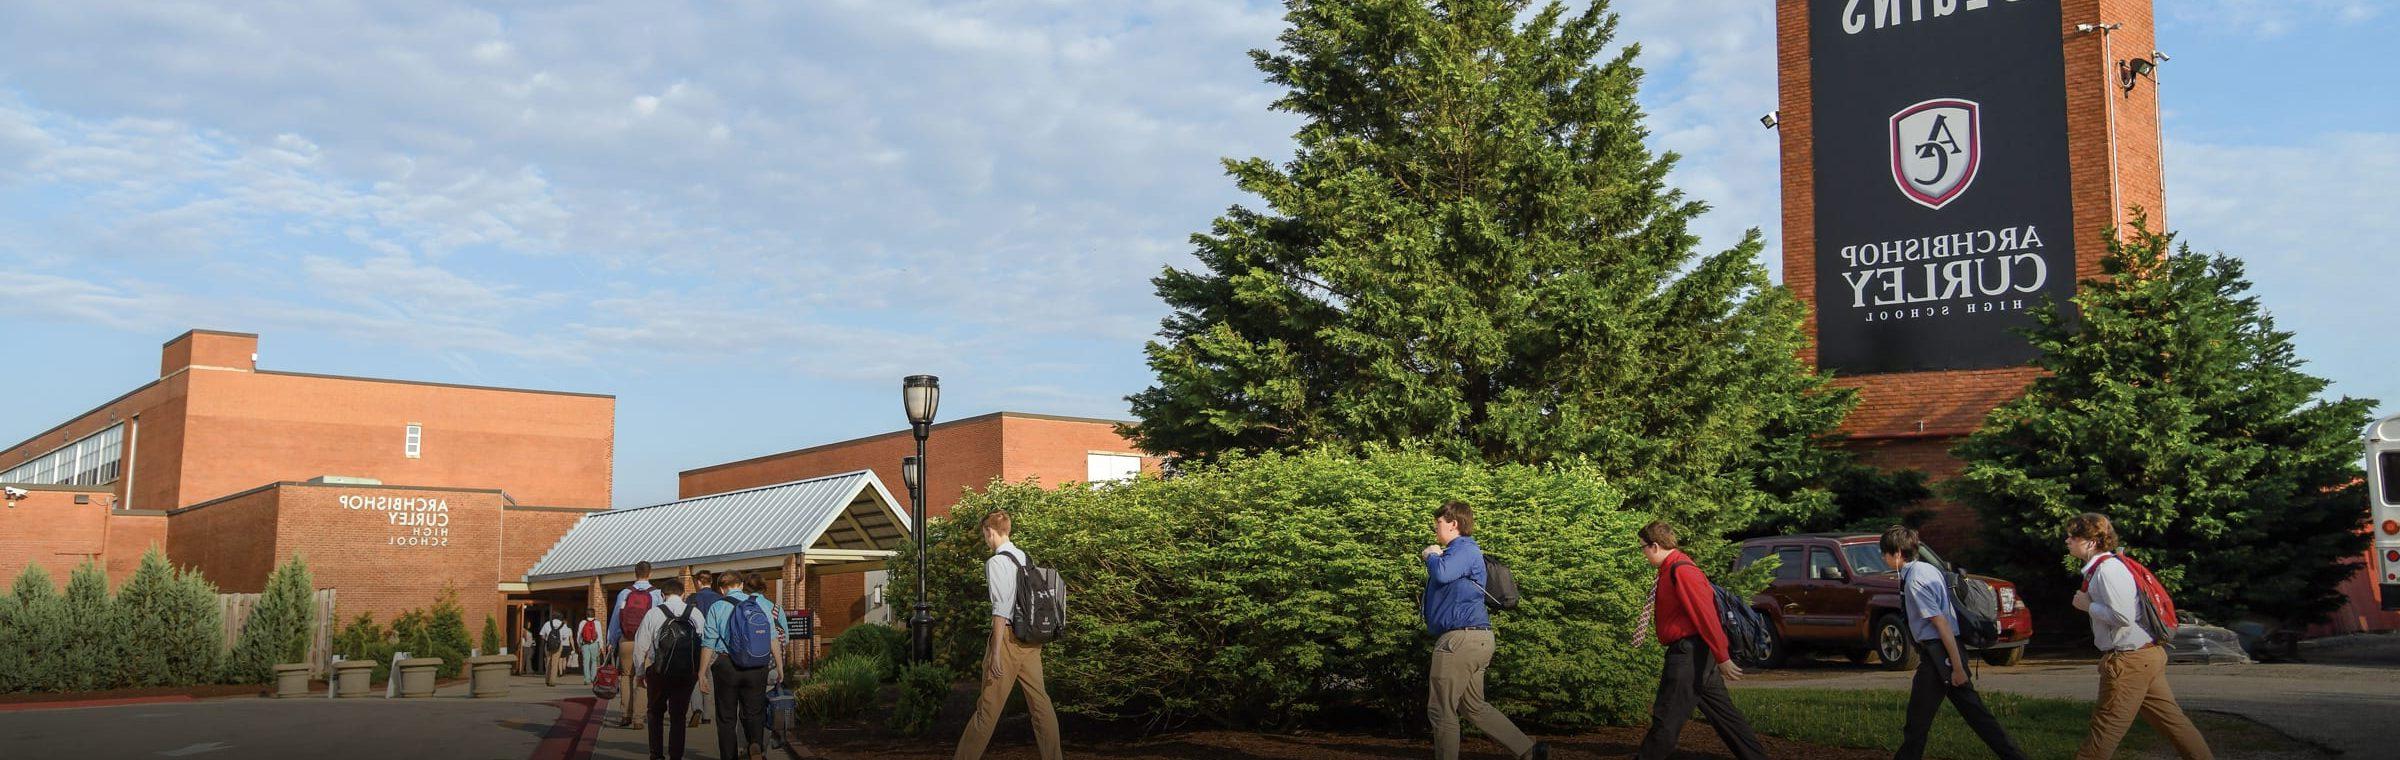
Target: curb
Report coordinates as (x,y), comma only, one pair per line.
(576,732)
(32,706)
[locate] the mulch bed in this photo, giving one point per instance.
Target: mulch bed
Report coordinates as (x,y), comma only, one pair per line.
(195,692)
(866,737)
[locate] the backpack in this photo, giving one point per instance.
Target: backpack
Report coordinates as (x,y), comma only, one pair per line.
(629,616)
(561,636)
(2157,616)
(1502,591)
(589,631)
(675,653)
(1978,606)
(1746,633)
(753,635)
(1041,609)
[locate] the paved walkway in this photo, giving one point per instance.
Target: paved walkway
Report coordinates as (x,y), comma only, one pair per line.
(2336,701)
(448,726)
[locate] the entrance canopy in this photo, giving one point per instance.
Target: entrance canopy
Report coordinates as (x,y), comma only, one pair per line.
(845,519)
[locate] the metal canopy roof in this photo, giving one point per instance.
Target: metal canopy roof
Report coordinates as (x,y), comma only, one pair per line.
(850,514)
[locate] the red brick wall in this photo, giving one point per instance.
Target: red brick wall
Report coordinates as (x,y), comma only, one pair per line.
(350,550)
(129,537)
(1053,451)
(965,455)
(232,541)
(48,528)
(208,348)
(528,533)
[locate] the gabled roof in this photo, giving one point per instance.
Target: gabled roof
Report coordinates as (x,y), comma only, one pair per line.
(851,512)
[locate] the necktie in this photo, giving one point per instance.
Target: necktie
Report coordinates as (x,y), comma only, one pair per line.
(1641,631)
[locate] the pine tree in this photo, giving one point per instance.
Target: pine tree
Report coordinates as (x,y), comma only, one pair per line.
(37,633)
(277,631)
(489,642)
(13,662)
(195,643)
(2174,406)
(95,640)
(145,611)
(446,627)
(1473,250)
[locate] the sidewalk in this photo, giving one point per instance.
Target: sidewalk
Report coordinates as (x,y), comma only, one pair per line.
(448,725)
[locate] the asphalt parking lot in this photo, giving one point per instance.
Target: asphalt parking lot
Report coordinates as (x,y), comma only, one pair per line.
(2345,687)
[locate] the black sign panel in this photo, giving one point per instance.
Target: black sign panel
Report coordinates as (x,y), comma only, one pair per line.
(1943,208)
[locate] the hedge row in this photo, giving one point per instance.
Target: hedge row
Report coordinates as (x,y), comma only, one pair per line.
(162,628)
(1259,591)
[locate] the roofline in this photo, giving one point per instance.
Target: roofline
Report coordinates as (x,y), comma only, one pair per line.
(305,484)
(190,333)
(534,508)
(87,413)
(844,474)
(108,487)
(362,379)
(879,436)
(868,482)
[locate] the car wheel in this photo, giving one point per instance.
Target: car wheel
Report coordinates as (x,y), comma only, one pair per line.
(1778,650)
(1892,644)
(2006,658)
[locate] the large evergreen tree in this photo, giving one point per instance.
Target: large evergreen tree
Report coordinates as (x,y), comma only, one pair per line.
(95,638)
(195,643)
(1473,249)
(2175,407)
(146,613)
(277,631)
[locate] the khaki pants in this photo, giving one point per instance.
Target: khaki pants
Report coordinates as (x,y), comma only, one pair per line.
(556,663)
(1459,659)
(1005,666)
(2135,683)
(629,683)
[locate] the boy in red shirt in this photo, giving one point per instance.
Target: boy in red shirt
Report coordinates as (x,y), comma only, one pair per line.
(1684,610)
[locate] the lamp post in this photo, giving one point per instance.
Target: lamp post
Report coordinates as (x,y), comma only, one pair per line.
(920,395)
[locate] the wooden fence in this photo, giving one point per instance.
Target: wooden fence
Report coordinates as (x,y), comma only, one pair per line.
(237,609)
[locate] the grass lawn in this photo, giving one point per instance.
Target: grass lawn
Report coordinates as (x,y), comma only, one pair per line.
(2047,728)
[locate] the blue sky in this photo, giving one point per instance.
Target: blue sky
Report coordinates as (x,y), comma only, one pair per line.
(749,219)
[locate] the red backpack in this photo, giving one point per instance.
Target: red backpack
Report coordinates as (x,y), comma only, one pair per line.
(637,606)
(2157,616)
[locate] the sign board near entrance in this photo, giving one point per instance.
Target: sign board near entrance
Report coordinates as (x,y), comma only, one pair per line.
(1942,188)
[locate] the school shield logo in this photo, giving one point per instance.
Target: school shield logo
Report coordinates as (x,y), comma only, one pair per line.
(1936,147)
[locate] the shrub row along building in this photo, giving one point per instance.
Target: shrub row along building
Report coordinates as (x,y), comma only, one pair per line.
(394,490)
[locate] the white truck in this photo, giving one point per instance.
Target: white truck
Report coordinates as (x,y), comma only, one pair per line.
(2383,498)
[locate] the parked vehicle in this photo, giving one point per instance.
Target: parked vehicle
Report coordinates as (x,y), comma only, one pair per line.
(2383,489)
(1832,592)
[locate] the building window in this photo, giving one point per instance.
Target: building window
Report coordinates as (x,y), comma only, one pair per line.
(416,441)
(90,461)
(1111,468)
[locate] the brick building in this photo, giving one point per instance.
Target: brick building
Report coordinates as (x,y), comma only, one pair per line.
(1912,419)
(390,489)
(966,455)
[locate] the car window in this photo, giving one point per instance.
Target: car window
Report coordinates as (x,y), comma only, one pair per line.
(1790,569)
(1749,554)
(1866,559)
(1823,567)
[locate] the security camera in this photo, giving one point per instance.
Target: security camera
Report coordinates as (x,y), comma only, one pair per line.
(14,493)
(2159,57)
(1771,119)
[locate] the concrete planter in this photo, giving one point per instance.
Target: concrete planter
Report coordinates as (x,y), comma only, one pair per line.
(416,676)
(488,675)
(291,680)
(353,678)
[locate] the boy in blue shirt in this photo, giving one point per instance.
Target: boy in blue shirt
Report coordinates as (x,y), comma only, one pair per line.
(1462,647)
(741,693)
(1933,626)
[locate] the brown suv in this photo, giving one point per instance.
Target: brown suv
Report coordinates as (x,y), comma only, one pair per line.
(1832,592)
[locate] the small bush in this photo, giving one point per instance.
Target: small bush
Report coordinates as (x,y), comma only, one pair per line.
(923,689)
(842,687)
(446,628)
(277,631)
(96,636)
(491,636)
(195,643)
(362,639)
(886,645)
(143,613)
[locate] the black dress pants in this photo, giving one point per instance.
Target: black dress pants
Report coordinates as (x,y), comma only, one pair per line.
(1689,679)
(741,707)
(670,700)
(1925,695)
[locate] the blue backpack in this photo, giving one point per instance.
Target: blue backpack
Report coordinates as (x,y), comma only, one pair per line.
(751,635)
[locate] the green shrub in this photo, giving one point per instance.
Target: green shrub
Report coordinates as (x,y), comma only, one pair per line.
(362,639)
(277,631)
(884,644)
(490,643)
(1258,590)
(841,687)
(195,631)
(446,629)
(144,611)
(15,663)
(38,631)
(95,636)
(923,689)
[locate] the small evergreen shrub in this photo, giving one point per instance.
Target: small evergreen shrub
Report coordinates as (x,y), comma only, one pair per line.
(841,687)
(277,631)
(94,636)
(923,689)
(144,610)
(884,644)
(490,643)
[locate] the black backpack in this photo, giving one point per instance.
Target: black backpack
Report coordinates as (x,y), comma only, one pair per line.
(1746,631)
(1041,608)
(1502,591)
(676,652)
(1978,606)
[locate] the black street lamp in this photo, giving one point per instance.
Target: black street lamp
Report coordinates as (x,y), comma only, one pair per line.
(920,395)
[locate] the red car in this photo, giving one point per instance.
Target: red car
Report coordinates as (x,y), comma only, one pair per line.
(1832,592)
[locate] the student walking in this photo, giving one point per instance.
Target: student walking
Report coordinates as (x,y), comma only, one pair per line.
(624,618)
(741,654)
(1933,626)
(1462,639)
(1007,662)
(2133,666)
(704,595)
(554,638)
(1683,609)
(669,640)
(587,636)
